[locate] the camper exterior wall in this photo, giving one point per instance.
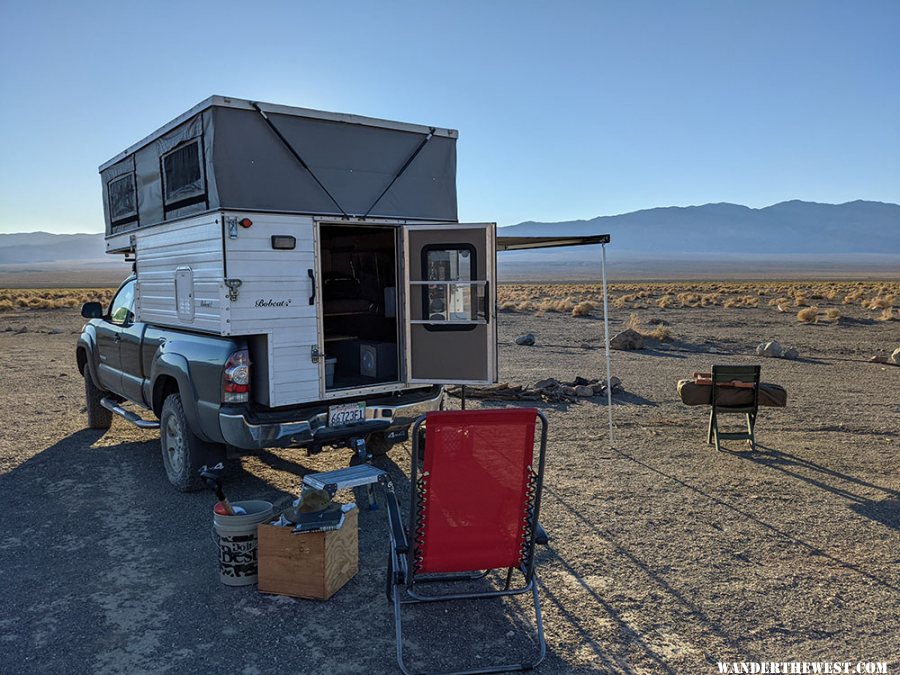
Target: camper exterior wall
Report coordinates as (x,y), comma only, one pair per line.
(273,298)
(276,298)
(193,244)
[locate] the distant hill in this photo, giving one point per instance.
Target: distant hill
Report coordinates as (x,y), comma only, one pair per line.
(34,247)
(788,240)
(788,227)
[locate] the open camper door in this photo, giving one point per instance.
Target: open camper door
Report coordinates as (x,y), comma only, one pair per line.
(450,307)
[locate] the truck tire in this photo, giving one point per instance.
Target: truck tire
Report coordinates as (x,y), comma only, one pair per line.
(98,417)
(183,452)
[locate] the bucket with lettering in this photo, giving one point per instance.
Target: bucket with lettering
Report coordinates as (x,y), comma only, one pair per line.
(236,537)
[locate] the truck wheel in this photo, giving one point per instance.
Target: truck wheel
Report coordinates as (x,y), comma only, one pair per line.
(182,451)
(98,417)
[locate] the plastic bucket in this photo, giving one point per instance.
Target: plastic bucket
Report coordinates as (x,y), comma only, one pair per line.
(236,537)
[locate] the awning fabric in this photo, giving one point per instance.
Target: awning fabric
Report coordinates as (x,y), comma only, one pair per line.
(523,243)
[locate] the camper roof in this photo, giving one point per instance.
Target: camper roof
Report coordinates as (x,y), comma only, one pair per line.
(246,104)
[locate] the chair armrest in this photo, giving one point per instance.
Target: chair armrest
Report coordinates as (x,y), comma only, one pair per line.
(398,535)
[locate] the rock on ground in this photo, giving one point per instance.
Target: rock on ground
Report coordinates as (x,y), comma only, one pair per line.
(628,339)
(770,349)
(526,340)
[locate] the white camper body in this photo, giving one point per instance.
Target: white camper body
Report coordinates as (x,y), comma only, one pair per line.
(331,307)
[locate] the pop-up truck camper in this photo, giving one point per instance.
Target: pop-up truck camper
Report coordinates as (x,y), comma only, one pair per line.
(300,278)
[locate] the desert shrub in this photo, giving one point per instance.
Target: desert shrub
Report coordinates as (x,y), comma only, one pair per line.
(833,314)
(887,314)
(507,306)
(731,302)
(661,333)
(5,304)
(881,302)
(689,299)
(808,315)
(800,299)
(665,301)
(583,309)
(853,296)
(660,330)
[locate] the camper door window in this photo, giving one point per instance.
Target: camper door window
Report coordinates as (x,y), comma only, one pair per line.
(453,295)
(183,175)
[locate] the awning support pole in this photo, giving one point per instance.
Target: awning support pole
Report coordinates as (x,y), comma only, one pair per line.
(606,343)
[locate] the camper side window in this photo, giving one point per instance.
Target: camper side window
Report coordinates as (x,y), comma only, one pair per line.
(454,298)
(122,197)
(183,180)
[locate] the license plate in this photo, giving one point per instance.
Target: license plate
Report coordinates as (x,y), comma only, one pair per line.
(346,413)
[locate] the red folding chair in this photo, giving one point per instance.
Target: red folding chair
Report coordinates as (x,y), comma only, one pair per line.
(475,505)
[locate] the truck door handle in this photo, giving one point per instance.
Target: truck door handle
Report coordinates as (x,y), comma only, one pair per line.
(312,281)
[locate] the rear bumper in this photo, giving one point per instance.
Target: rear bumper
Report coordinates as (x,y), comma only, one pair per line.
(246,434)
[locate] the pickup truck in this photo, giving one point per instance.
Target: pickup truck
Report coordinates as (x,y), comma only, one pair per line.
(198,387)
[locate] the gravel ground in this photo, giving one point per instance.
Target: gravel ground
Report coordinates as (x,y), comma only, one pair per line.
(666,556)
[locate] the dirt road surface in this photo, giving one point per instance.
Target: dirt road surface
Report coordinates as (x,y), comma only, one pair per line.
(666,556)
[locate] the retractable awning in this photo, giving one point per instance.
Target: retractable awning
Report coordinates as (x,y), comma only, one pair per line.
(525,243)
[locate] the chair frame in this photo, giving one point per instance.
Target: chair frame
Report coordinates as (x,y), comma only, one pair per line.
(721,375)
(401,575)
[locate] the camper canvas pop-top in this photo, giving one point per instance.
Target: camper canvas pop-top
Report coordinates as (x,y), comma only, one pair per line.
(300,279)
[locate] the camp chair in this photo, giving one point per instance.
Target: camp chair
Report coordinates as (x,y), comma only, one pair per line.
(733,376)
(474,508)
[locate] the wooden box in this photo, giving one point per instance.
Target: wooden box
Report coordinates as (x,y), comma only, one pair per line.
(309,565)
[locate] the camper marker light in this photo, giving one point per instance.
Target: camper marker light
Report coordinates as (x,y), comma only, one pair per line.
(245,223)
(284,242)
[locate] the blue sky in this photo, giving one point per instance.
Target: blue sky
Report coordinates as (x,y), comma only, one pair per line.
(566,109)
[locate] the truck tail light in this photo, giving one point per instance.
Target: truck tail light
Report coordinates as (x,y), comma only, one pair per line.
(236,378)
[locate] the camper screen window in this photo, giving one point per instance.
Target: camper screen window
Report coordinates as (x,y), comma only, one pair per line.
(122,199)
(183,174)
(456,305)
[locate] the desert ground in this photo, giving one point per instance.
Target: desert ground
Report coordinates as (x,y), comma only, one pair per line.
(665,555)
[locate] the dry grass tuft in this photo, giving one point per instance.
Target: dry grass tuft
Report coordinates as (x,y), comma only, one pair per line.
(660,330)
(51,298)
(808,315)
(668,300)
(833,314)
(583,309)
(887,314)
(880,302)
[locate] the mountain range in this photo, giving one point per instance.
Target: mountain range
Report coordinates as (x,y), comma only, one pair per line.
(788,227)
(712,239)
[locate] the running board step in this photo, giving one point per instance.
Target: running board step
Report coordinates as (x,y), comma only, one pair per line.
(127,415)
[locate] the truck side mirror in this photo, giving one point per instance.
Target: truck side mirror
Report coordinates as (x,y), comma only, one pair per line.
(92,310)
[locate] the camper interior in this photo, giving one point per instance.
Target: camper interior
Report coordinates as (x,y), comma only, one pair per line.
(358,266)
